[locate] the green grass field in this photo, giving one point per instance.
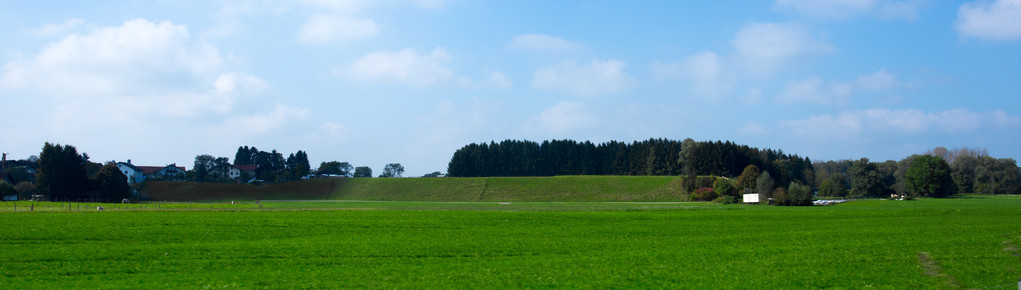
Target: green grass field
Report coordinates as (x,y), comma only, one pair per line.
(952,243)
(558,188)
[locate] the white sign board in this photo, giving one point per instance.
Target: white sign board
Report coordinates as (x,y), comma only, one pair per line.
(751,198)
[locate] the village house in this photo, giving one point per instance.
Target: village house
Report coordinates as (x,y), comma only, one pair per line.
(138,174)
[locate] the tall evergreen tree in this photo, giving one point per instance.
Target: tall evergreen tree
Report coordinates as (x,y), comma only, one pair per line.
(61,173)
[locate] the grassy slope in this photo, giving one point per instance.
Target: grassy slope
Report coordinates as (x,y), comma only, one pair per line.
(853,245)
(560,188)
(188,191)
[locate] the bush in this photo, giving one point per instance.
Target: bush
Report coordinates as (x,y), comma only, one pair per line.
(780,196)
(703,194)
(25,190)
(724,187)
(727,199)
(7,189)
(799,194)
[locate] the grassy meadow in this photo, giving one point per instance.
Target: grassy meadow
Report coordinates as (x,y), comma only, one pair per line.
(556,188)
(969,242)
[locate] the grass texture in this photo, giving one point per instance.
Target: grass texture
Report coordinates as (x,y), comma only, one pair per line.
(931,243)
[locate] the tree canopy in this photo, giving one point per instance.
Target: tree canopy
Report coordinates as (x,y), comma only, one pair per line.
(392,170)
(62,174)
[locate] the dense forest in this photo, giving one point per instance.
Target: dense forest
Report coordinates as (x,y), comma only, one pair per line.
(967,170)
(649,157)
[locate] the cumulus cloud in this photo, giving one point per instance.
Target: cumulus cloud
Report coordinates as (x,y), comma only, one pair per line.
(752,96)
(597,77)
(495,80)
(763,46)
(328,28)
(911,121)
(990,20)
(815,90)
(281,116)
(543,42)
(136,62)
(753,128)
(143,83)
(877,81)
(406,66)
(704,69)
(562,118)
(55,29)
(841,9)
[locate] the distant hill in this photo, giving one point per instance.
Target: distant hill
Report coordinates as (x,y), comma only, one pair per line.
(556,188)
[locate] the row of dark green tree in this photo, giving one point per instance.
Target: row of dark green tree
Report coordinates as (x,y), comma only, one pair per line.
(649,157)
(64,174)
(273,167)
(937,173)
(962,170)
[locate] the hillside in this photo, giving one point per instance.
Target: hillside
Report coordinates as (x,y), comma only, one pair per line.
(558,188)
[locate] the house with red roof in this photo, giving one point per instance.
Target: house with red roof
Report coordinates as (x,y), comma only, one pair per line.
(138,174)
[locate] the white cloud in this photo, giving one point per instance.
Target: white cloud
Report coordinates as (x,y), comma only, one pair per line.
(562,118)
(56,29)
(842,9)
(813,90)
(495,80)
(706,73)
(704,69)
(990,20)
(878,81)
(327,28)
(753,128)
(752,96)
(1002,118)
(598,77)
(406,66)
(911,121)
(138,59)
(281,116)
(844,125)
(766,45)
(543,42)
(431,4)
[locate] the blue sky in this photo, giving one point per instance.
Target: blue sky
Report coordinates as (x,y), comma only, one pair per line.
(374,82)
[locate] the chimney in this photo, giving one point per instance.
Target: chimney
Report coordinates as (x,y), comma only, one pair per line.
(3,163)
(129,161)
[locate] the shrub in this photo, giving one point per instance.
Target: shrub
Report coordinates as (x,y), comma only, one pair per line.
(724,187)
(703,194)
(727,199)
(780,196)
(799,194)
(25,190)
(7,189)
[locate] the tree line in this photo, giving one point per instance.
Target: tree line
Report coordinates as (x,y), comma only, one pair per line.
(936,173)
(61,173)
(64,174)
(962,170)
(649,157)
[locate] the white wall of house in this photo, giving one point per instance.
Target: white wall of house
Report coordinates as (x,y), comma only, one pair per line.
(134,176)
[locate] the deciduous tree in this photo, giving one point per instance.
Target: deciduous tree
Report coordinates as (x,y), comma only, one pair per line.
(392,170)
(113,185)
(363,171)
(865,179)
